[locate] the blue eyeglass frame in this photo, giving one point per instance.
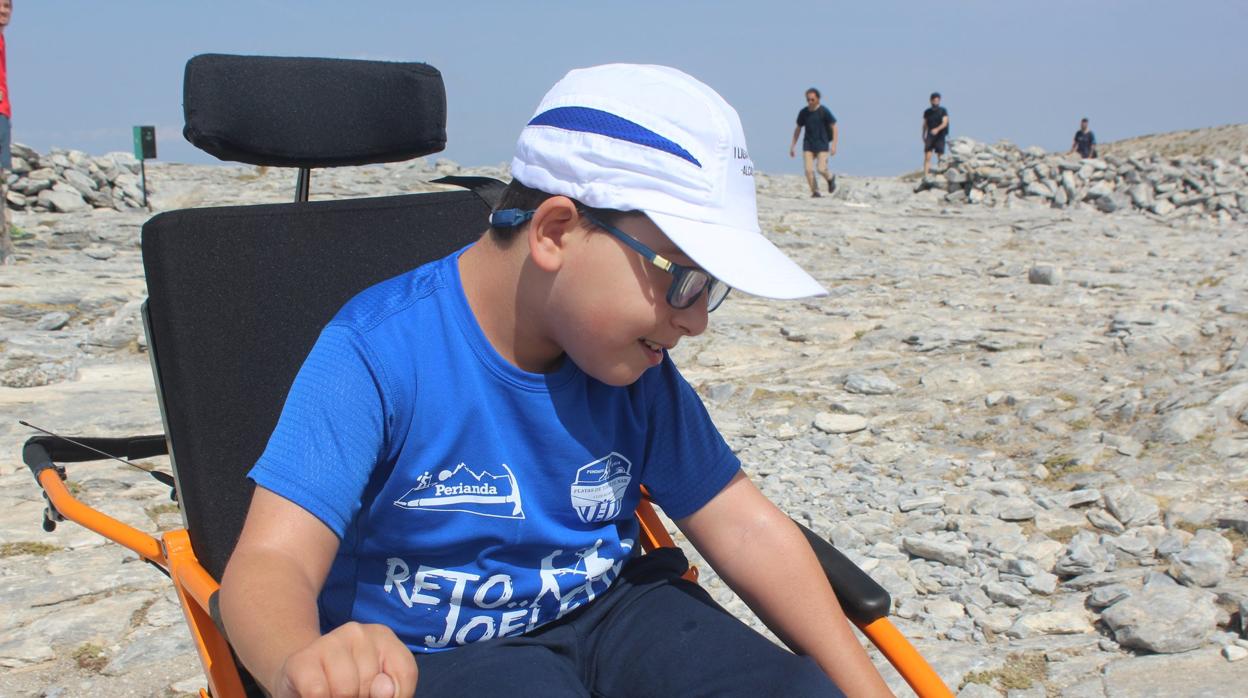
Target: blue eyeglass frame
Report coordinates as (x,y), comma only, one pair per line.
(512,217)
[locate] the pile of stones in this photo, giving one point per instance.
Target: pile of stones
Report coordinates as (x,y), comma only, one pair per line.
(979,173)
(64,181)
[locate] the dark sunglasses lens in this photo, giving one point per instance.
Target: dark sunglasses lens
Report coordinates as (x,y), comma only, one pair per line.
(686,288)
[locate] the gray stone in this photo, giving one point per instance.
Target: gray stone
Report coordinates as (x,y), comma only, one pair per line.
(52,321)
(1234,653)
(1077,497)
(1050,623)
(1204,562)
(1045,275)
(1083,556)
(832,423)
(956,554)
(926,503)
(1039,189)
(22,649)
(1200,674)
(1108,595)
(1042,583)
(864,384)
(1113,202)
(1009,593)
(62,201)
(84,184)
(1185,425)
(1131,507)
(148,647)
(1163,619)
(1125,445)
(100,252)
(1162,207)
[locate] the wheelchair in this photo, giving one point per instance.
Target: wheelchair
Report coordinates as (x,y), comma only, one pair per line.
(237,295)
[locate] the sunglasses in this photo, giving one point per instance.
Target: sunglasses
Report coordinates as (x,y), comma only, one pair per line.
(688,283)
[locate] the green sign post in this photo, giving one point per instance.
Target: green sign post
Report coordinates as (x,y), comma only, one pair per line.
(144,148)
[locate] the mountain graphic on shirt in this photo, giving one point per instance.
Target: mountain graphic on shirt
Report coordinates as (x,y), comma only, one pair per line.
(465,490)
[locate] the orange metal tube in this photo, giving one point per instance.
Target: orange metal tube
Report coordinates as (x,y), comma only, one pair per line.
(653,532)
(195,588)
(907,660)
(74,510)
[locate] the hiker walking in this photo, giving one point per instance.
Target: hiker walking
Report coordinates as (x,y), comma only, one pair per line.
(1085,141)
(819,142)
(935,129)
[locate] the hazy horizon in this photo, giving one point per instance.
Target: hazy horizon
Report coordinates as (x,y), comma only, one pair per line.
(82,73)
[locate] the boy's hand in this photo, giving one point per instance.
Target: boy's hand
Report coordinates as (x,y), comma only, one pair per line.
(352,661)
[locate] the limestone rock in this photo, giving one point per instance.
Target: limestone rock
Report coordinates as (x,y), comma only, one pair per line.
(1163,619)
(831,423)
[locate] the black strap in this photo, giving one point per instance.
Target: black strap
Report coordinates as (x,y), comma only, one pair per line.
(489,189)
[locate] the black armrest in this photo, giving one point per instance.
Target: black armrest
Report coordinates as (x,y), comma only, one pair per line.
(130,448)
(861,598)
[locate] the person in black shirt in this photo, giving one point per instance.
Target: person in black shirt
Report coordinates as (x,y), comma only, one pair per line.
(1085,140)
(935,128)
(819,142)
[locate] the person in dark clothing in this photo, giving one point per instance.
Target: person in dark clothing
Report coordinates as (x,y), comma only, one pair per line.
(1085,141)
(819,142)
(6,156)
(935,128)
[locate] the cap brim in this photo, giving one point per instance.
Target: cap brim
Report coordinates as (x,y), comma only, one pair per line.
(743,259)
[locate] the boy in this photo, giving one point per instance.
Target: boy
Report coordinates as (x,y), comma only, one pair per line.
(819,142)
(935,128)
(1084,142)
(457,462)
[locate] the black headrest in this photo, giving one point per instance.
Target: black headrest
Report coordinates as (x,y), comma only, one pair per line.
(313,112)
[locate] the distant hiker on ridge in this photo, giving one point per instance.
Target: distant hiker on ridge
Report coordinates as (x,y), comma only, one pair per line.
(1085,141)
(935,129)
(819,141)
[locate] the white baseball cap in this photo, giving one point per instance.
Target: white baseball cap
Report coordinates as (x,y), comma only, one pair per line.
(650,138)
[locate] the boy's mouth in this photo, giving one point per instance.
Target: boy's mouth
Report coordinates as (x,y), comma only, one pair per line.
(654,348)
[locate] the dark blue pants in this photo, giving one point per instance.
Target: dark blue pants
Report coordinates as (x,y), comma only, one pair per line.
(652,634)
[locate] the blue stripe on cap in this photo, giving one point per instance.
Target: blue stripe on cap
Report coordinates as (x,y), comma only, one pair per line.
(608,124)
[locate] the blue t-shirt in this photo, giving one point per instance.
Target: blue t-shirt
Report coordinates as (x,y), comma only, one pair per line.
(473,499)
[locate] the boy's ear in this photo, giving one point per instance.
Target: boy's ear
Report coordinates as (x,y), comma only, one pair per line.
(547,232)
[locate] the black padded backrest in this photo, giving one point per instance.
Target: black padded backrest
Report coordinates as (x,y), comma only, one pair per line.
(312,112)
(236,298)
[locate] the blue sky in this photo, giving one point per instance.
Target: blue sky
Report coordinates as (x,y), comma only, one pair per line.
(82,72)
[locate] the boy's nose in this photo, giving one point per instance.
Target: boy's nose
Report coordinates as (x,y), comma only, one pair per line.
(693,320)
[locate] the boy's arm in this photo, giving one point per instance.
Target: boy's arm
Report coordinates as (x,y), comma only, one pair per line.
(836,134)
(268,605)
(762,555)
(796,132)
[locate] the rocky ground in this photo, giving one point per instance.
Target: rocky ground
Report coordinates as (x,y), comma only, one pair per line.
(1030,424)
(1217,142)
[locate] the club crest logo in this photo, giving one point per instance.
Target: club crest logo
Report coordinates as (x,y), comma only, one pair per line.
(463,489)
(598,490)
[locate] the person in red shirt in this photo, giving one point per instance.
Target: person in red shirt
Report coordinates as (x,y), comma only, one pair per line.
(6,158)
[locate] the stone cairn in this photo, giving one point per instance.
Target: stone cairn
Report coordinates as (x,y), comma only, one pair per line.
(64,181)
(979,173)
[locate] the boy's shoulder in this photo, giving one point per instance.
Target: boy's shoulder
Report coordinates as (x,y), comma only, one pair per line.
(394,297)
